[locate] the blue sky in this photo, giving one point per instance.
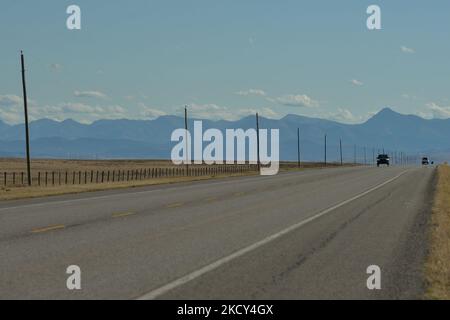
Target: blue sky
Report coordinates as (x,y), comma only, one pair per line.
(140,59)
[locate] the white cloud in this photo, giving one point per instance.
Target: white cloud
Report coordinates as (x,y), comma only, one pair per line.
(209,111)
(252,92)
(11,108)
(71,107)
(10,116)
(11,111)
(344,115)
(436,111)
(407,50)
(78,111)
(356,82)
(90,94)
(265,112)
(215,112)
(10,100)
(298,100)
(149,112)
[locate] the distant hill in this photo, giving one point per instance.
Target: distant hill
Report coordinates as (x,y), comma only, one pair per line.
(151,138)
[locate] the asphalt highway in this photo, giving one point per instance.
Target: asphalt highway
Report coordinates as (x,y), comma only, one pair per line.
(297,235)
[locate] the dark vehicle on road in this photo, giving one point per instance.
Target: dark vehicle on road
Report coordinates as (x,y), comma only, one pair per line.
(425,161)
(382,159)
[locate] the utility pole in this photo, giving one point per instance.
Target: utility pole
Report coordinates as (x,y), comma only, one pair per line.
(325,150)
(340,150)
(257,141)
(298,147)
(186,138)
(25,105)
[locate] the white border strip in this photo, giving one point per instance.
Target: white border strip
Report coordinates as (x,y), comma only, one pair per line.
(196,274)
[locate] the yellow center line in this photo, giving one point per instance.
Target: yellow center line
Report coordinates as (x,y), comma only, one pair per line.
(49,228)
(122,214)
(175,205)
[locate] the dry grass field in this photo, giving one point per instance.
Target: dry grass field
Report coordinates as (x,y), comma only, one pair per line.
(74,176)
(438,263)
(19,165)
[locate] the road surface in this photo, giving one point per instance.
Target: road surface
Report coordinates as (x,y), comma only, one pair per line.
(297,235)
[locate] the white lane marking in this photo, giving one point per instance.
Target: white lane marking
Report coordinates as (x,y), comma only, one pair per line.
(191,276)
(246,179)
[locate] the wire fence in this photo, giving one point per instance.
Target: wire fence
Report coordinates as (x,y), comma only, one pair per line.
(59,178)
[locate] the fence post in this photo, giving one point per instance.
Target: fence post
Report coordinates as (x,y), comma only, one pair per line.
(53,178)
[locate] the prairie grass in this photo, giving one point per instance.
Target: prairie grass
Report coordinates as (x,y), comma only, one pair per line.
(437,268)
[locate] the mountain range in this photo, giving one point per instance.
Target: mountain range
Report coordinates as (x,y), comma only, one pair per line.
(138,139)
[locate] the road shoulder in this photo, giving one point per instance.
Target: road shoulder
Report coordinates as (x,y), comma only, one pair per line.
(437,267)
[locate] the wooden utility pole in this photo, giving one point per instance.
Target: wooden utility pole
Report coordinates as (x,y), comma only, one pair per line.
(186,138)
(257,141)
(298,147)
(25,105)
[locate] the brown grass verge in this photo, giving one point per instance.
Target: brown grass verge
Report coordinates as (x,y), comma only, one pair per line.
(35,192)
(19,192)
(437,268)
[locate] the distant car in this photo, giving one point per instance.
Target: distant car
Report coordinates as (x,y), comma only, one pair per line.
(382,159)
(425,161)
